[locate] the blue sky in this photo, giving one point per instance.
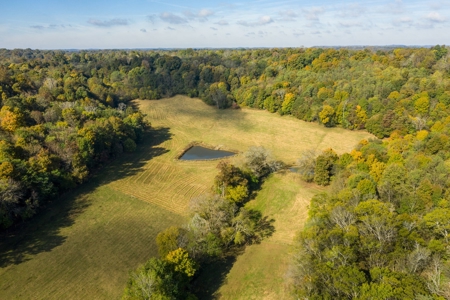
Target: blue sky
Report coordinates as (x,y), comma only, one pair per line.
(82,24)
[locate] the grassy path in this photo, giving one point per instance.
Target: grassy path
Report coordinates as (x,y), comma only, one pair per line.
(259,273)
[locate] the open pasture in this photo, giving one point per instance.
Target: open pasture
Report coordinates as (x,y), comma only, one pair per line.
(85,245)
(170,183)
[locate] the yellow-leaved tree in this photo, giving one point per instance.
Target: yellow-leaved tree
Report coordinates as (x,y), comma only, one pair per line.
(182,262)
(286,106)
(10,119)
(327,116)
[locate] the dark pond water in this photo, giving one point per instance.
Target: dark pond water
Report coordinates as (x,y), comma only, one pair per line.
(297,170)
(198,152)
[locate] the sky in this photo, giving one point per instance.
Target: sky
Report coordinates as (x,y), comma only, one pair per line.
(119,24)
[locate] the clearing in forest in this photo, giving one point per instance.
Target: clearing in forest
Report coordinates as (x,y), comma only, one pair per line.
(170,183)
(84,246)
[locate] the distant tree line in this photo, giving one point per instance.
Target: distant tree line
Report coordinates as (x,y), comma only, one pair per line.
(403,90)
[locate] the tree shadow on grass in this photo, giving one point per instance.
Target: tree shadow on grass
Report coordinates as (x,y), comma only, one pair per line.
(213,274)
(264,227)
(42,232)
(129,164)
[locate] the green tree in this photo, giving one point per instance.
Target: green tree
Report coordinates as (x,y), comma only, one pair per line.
(168,240)
(156,279)
(324,167)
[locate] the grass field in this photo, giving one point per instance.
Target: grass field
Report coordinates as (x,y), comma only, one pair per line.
(84,246)
(259,273)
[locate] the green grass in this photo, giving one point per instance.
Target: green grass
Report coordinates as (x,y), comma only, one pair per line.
(85,243)
(260,272)
(83,248)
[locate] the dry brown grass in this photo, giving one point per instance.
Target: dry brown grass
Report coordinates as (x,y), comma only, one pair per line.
(170,183)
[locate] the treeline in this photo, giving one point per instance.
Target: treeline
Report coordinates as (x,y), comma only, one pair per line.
(401,90)
(54,130)
(218,225)
(382,91)
(383,231)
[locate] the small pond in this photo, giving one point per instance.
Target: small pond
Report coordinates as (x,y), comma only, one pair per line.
(199,153)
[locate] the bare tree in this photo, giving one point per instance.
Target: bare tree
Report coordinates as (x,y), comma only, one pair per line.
(419,122)
(434,279)
(306,164)
(144,284)
(259,160)
(50,83)
(211,213)
(418,259)
(342,217)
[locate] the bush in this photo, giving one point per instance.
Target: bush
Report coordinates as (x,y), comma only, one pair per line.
(129,145)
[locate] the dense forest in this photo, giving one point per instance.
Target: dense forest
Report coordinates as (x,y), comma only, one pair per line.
(384,228)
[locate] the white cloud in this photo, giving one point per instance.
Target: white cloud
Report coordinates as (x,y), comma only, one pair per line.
(201,15)
(109,23)
(420,22)
(205,13)
(435,17)
(264,20)
(288,15)
(152,18)
(439,4)
(172,18)
(354,10)
(397,7)
(313,13)
(405,20)
(348,24)
(298,33)
(222,22)
(51,26)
